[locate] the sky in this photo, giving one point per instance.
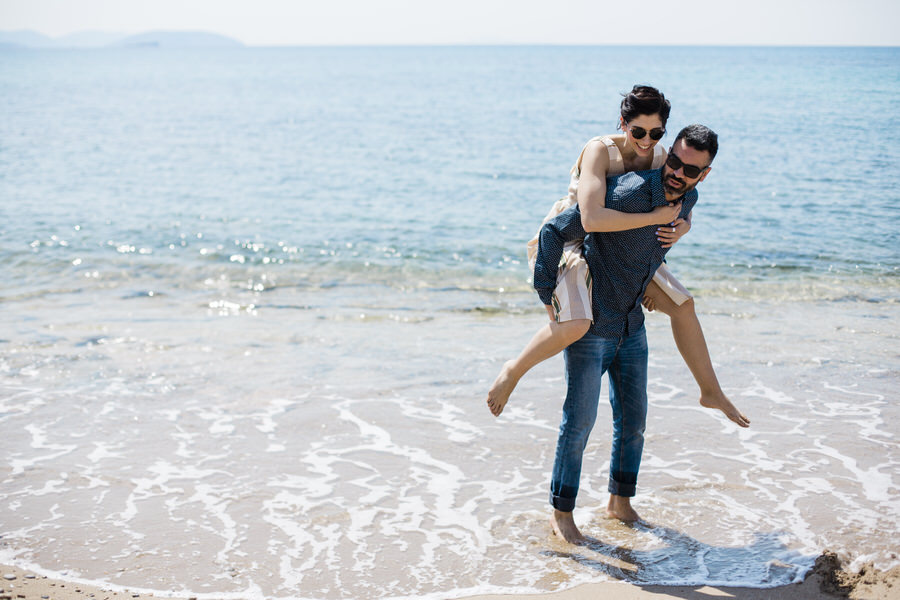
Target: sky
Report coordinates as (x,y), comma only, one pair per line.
(402,22)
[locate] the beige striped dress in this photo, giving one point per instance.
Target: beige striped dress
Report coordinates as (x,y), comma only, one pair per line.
(572,296)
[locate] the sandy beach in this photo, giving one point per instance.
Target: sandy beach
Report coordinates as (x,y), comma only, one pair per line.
(826,580)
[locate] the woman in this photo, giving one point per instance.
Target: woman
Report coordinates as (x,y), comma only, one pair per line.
(643,116)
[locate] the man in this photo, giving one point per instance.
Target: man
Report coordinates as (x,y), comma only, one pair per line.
(622,264)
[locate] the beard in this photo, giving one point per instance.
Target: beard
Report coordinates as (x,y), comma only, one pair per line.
(674,185)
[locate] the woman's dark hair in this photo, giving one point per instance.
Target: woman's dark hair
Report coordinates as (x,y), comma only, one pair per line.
(645,100)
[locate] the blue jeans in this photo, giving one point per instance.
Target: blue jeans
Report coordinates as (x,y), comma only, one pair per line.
(586,360)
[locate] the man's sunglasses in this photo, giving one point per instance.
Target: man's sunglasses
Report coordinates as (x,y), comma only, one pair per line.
(689,170)
(655,134)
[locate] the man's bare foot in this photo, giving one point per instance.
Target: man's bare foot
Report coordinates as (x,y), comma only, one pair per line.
(502,388)
(564,526)
(619,507)
(722,402)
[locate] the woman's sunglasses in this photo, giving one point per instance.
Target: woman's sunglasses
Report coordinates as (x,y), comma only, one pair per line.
(655,134)
(689,170)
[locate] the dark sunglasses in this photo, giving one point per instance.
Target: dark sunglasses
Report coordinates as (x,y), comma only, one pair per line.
(655,134)
(689,170)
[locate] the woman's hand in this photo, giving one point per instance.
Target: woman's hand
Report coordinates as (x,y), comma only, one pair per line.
(664,215)
(671,233)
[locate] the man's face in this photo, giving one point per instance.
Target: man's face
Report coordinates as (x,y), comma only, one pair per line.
(675,180)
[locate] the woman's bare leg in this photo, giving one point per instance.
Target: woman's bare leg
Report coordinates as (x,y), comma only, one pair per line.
(690,341)
(550,340)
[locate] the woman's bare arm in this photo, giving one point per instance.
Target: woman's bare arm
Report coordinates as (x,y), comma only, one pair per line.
(592,198)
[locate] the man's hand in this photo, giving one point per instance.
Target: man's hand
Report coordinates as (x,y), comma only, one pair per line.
(550,312)
(648,303)
(672,232)
(664,215)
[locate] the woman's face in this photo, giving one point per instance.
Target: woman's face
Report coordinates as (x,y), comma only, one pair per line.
(643,146)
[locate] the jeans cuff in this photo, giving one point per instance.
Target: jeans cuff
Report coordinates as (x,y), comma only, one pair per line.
(627,490)
(562,504)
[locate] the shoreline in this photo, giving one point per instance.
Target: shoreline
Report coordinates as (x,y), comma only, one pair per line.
(827,579)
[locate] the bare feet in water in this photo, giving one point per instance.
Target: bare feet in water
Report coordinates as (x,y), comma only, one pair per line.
(502,388)
(619,507)
(563,523)
(722,402)
(564,526)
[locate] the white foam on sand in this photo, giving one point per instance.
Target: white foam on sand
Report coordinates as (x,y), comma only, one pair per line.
(405,486)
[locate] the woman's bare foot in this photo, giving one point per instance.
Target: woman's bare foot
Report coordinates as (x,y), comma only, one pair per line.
(722,402)
(564,526)
(619,507)
(502,388)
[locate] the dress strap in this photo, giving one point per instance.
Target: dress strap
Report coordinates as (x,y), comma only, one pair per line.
(616,164)
(658,157)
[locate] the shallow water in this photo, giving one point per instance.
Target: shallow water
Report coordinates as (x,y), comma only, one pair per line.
(290,453)
(226,369)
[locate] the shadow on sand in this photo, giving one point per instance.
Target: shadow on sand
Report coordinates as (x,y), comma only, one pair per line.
(684,561)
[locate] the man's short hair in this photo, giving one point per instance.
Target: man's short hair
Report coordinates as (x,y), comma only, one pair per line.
(700,137)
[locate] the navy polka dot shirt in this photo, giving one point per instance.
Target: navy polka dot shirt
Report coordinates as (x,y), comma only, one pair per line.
(622,263)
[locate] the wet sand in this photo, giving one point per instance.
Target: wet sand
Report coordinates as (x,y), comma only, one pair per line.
(826,580)
(18,584)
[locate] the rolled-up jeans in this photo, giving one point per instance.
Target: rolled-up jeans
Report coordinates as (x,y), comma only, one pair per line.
(587,359)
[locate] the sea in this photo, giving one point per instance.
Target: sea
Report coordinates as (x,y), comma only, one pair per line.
(252,300)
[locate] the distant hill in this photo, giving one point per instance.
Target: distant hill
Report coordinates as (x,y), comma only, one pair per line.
(88,39)
(179,39)
(101,39)
(26,39)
